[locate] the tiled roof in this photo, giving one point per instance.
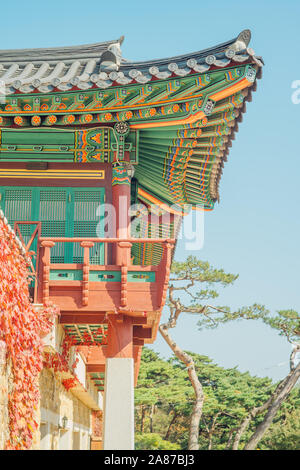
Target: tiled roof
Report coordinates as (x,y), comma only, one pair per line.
(101,65)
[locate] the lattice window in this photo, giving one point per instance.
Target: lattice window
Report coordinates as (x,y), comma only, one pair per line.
(52,214)
(86,207)
(64,212)
(18,204)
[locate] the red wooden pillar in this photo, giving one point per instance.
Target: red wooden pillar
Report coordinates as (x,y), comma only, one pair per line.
(119,370)
(47,245)
(119,337)
(121,203)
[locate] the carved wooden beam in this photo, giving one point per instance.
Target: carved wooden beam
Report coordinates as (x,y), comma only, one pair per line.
(95,368)
(142,333)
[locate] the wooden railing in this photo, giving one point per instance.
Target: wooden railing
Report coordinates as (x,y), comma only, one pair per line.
(123,271)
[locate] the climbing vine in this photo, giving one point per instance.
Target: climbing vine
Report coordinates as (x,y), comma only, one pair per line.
(60,362)
(21,328)
(70,383)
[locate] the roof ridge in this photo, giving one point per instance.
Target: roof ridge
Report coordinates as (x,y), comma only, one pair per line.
(57,53)
(236,44)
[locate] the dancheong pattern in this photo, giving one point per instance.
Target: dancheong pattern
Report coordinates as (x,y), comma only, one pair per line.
(92,145)
(180,115)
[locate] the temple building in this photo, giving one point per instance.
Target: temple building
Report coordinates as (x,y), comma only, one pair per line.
(100,159)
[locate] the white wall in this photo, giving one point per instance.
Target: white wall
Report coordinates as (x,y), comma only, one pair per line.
(66,440)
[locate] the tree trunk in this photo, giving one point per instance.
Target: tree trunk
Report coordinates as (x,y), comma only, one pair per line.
(230,436)
(143,418)
(170,426)
(273,408)
(151,417)
(212,430)
(198,405)
(256,411)
(240,432)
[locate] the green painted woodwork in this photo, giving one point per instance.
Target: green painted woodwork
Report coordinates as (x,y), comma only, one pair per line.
(56,145)
(136,276)
(105,276)
(94,106)
(98,379)
(101,276)
(65,275)
(85,334)
(150,253)
(32,137)
(31,157)
(176,164)
(189,156)
(63,212)
(115,276)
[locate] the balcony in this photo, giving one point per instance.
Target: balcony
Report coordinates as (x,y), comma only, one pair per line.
(90,289)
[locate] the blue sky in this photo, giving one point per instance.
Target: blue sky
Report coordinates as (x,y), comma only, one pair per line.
(254,231)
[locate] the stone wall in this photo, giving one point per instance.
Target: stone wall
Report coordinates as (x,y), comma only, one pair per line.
(65,420)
